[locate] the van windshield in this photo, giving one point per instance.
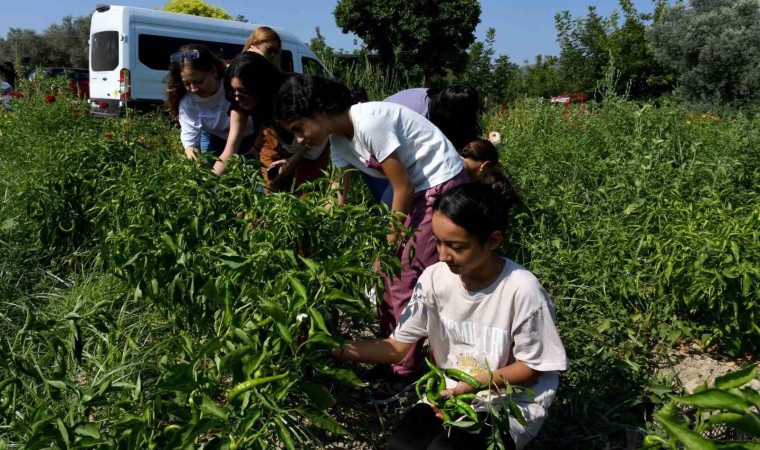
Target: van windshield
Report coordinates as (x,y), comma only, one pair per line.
(104,51)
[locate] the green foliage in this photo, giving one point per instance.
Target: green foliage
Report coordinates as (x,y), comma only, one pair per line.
(541,79)
(137,290)
(379,81)
(490,77)
(589,46)
(726,404)
(642,223)
(712,46)
(64,44)
(198,8)
(143,289)
(419,37)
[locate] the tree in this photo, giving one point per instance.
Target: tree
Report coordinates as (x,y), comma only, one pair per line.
(584,48)
(591,46)
(64,44)
(318,45)
(714,47)
(490,77)
(420,37)
(540,79)
(68,42)
(196,8)
(25,49)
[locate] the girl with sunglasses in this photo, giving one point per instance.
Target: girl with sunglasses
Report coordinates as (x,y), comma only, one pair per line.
(252,83)
(266,42)
(196,97)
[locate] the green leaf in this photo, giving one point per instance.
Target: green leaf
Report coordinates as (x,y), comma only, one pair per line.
(284,434)
(88,430)
(298,286)
(274,310)
(346,376)
(322,420)
(316,316)
(690,439)
(233,261)
(732,445)
(64,432)
(736,379)
(714,399)
(749,422)
(209,407)
(318,395)
(749,395)
(517,412)
(313,266)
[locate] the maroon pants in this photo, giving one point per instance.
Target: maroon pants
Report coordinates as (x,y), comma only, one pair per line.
(399,288)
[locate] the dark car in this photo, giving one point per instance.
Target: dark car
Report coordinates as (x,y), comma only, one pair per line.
(79,79)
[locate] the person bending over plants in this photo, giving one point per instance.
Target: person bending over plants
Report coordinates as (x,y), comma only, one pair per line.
(480,157)
(383,140)
(484,315)
(252,83)
(196,98)
(455,110)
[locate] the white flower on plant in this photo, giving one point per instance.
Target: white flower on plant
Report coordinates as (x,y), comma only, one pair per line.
(494,137)
(300,318)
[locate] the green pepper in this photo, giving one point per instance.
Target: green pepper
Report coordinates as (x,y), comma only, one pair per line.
(465,409)
(421,382)
(461,375)
(250,384)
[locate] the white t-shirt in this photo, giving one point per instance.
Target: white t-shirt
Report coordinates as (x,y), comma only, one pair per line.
(479,332)
(383,128)
(209,114)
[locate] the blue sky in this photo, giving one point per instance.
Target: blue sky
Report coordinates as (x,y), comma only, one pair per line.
(523,28)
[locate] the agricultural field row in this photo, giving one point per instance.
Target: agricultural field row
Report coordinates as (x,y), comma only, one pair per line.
(141,294)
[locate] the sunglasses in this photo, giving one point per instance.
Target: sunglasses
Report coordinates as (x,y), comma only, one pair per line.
(268,49)
(240,95)
(181,56)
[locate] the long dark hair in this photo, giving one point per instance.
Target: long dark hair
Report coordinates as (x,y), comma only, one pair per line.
(205,62)
(481,207)
(456,110)
(304,95)
(260,78)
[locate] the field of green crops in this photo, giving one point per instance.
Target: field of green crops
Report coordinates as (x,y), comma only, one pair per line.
(137,290)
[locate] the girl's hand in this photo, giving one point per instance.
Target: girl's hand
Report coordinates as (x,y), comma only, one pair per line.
(285,165)
(459,389)
(437,411)
(191,153)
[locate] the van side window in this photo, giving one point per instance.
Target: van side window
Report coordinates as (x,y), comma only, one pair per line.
(286,61)
(312,67)
(104,52)
(154,51)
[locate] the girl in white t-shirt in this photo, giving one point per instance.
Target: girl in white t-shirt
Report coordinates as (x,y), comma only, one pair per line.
(196,97)
(383,140)
(483,314)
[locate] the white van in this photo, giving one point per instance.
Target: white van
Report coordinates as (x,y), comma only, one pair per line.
(130,48)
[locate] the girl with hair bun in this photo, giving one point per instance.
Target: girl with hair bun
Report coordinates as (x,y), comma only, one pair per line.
(480,157)
(382,140)
(483,314)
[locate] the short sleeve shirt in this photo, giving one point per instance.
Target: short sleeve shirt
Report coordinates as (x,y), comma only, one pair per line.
(478,332)
(208,114)
(381,129)
(415,99)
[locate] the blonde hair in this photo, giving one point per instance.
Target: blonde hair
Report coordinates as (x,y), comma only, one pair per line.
(262,35)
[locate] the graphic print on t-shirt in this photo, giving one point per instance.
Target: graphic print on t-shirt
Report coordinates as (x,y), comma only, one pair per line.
(478,339)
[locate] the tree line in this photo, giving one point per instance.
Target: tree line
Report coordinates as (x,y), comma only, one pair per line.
(707,49)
